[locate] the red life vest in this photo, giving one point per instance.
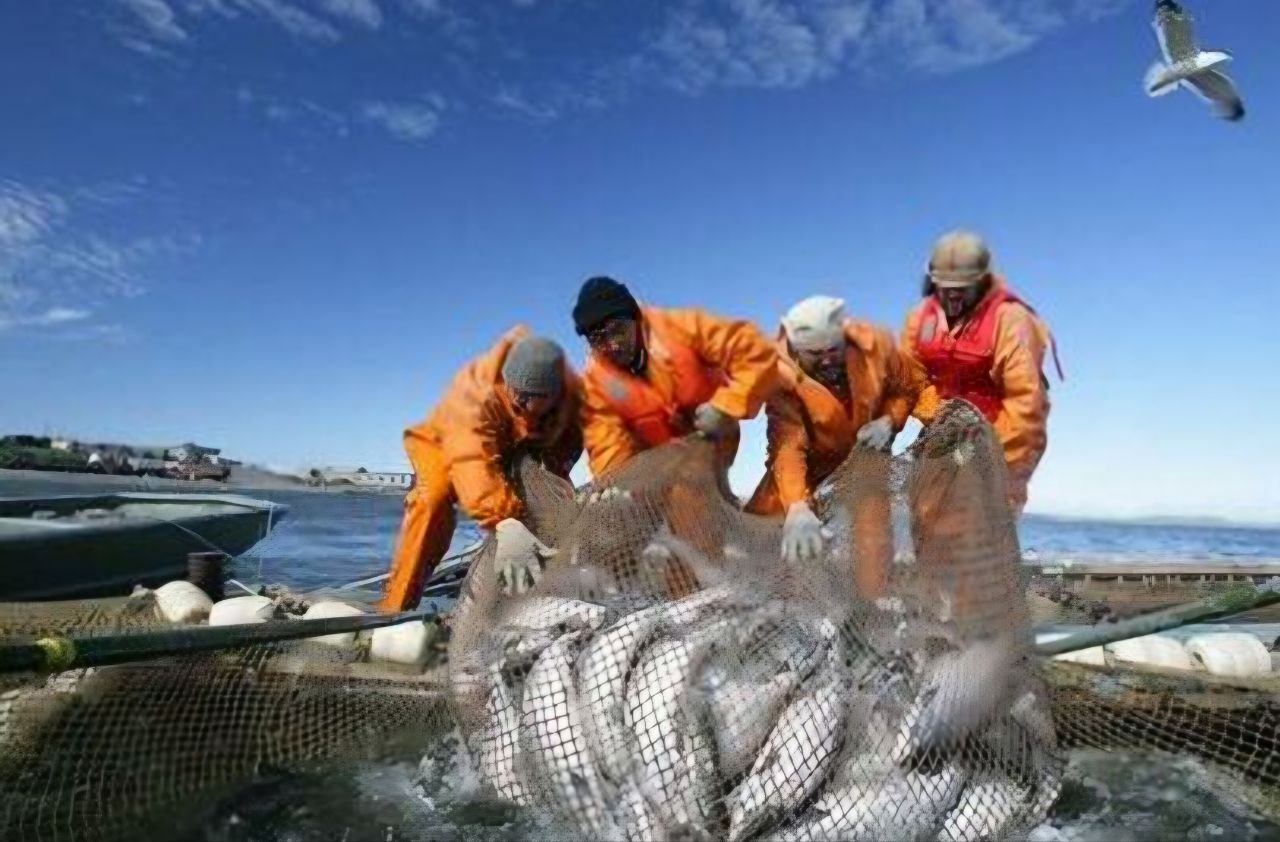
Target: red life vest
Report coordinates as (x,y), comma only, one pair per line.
(650,417)
(960,365)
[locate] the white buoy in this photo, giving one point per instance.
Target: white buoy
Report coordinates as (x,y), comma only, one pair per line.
(327,610)
(182,602)
(407,643)
(1231,654)
(1154,650)
(240,610)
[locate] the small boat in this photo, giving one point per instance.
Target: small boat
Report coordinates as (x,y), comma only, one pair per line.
(84,546)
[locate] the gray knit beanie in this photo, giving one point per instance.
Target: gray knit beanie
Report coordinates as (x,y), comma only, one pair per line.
(534,365)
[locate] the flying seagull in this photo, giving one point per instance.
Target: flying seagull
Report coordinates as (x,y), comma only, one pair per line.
(1185,65)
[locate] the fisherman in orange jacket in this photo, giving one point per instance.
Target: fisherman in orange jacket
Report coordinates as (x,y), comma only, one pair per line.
(847,384)
(979,341)
(519,397)
(654,375)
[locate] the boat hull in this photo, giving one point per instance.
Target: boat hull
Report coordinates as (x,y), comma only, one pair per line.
(64,559)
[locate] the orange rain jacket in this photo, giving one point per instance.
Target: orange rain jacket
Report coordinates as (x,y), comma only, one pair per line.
(738,372)
(1013,363)
(460,455)
(811,432)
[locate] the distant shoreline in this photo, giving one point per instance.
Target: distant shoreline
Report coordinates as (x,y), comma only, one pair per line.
(242,478)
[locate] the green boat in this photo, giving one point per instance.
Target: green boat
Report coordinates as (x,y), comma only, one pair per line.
(71,547)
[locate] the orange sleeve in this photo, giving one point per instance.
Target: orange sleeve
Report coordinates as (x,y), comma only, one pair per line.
(608,442)
(741,351)
(788,448)
(472,436)
(926,401)
(1020,426)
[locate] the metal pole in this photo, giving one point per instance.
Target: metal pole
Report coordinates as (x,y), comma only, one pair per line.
(58,653)
(1234,600)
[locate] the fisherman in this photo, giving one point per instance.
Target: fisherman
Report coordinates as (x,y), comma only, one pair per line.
(654,375)
(846,384)
(519,397)
(979,341)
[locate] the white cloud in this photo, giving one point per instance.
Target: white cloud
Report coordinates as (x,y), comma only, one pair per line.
(364,12)
(54,274)
(512,99)
(157,18)
(408,121)
(60,315)
(792,43)
(293,19)
(423,7)
(27,215)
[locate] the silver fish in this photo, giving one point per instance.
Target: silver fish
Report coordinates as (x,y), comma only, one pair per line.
(499,744)
(603,670)
(745,700)
(557,763)
(794,762)
(883,803)
(676,752)
(988,810)
(742,716)
(544,612)
(962,692)
(636,815)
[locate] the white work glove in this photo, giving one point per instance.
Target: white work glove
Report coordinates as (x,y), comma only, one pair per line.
(877,434)
(520,557)
(711,422)
(802,534)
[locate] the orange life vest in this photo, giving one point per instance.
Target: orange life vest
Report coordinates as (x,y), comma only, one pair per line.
(960,365)
(650,417)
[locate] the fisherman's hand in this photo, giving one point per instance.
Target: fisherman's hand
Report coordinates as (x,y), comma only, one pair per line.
(877,434)
(520,557)
(713,423)
(802,535)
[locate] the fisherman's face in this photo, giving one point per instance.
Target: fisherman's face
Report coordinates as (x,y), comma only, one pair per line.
(956,302)
(825,366)
(617,340)
(533,405)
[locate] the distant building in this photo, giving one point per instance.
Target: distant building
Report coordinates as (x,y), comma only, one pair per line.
(190,452)
(362,478)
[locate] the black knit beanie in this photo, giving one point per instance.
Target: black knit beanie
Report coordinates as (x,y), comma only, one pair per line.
(602,298)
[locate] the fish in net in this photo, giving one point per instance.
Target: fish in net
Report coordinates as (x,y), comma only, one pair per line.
(671,677)
(668,677)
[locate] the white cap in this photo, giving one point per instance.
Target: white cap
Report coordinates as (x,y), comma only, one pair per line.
(815,324)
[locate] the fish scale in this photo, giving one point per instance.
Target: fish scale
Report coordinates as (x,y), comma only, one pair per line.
(557,764)
(674,765)
(794,761)
(605,665)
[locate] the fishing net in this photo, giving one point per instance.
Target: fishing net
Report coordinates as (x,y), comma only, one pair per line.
(671,677)
(668,676)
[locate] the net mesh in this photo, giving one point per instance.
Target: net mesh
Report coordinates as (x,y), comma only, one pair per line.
(668,677)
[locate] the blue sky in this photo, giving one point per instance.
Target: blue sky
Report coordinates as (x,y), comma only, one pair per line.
(280,225)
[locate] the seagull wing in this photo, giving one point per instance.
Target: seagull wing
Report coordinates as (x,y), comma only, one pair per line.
(1176,35)
(1217,89)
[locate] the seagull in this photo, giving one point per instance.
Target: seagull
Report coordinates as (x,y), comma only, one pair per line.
(1185,65)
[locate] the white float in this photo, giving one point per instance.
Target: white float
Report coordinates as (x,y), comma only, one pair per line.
(1154,650)
(327,610)
(182,602)
(407,643)
(240,610)
(1232,654)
